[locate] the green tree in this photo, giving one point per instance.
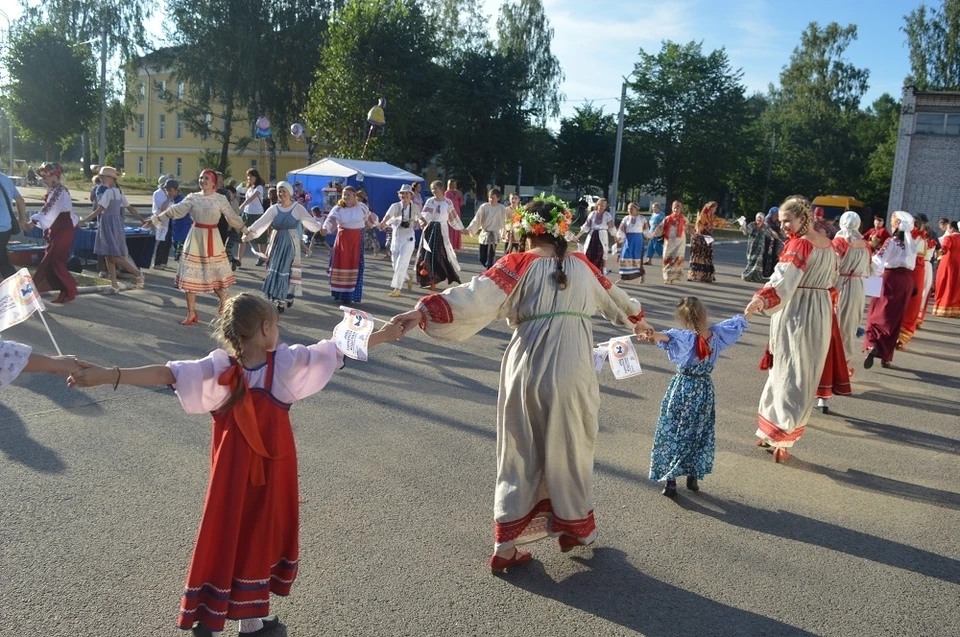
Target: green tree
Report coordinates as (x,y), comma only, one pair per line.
(814,113)
(119,117)
(585,149)
(248,58)
(49,103)
(877,137)
(686,110)
(374,49)
(933,37)
(525,33)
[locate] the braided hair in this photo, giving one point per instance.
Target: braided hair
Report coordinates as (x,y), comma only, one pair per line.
(545,209)
(242,316)
(798,206)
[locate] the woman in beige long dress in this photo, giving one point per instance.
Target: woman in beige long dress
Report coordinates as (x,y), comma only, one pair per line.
(674,243)
(855,264)
(549,396)
(204,266)
(799,297)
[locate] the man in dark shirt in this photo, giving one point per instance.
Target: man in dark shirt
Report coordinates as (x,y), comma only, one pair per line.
(878,234)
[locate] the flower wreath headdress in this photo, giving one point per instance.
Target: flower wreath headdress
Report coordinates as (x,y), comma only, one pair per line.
(526,222)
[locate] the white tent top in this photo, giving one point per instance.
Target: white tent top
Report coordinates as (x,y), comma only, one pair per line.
(331,167)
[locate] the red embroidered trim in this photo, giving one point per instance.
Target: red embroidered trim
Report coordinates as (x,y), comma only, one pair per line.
(510,531)
(840,246)
(507,271)
(797,251)
(437,308)
(776,434)
(639,317)
(769,297)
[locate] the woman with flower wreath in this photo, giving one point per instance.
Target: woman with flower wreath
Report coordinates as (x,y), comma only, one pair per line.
(549,396)
(674,243)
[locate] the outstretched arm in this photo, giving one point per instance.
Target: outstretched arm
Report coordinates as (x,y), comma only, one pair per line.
(90,375)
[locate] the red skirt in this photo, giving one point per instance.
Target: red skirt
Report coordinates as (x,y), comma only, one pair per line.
(836,375)
(248,545)
(52,273)
(911,315)
(345,261)
(885,315)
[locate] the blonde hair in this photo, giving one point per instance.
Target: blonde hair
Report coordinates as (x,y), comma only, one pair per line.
(451,184)
(798,206)
(436,184)
(242,316)
(691,313)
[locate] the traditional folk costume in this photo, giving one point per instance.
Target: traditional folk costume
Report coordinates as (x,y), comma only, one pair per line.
(59,224)
(598,228)
(111,240)
(928,281)
(204,266)
(799,297)
(701,247)
(284,280)
(854,265)
(675,245)
(683,443)
(632,232)
(946,300)
(346,259)
(402,220)
(549,395)
(489,221)
(13,358)
(454,232)
(911,314)
(763,250)
(248,545)
(895,261)
(655,245)
(876,237)
(436,259)
(511,242)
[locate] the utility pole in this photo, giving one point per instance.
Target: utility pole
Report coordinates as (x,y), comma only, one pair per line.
(616,157)
(9,119)
(766,189)
(102,151)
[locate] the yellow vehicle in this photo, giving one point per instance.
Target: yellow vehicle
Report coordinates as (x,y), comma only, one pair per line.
(835,205)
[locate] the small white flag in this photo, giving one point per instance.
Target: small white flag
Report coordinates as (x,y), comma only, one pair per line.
(599,357)
(18,299)
(352,334)
(623,358)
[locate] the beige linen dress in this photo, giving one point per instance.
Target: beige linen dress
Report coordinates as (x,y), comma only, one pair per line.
(798,295)
(549,396)
(854,264)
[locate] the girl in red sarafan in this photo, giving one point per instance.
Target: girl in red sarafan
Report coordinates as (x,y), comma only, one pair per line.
(248,543)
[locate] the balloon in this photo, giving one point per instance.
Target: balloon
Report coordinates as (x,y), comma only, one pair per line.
(296,130)
(263,123)
(375,117)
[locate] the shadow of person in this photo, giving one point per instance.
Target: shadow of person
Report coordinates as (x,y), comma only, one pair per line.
(799,528)
(17,445)
(617,591)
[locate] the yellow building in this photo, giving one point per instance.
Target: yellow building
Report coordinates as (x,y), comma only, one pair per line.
(159,142)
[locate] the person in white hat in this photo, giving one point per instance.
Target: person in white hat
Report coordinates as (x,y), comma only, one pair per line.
(111,241)
(402,217)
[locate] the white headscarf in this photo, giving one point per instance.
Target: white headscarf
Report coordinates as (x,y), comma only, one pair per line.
(850,226)
(906,224)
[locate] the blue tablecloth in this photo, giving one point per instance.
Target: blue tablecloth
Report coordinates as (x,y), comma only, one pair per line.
(140,244)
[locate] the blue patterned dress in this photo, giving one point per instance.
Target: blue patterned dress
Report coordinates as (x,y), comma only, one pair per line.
(683,444)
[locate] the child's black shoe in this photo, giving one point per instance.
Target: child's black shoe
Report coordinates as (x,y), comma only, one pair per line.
(671,489)
(692,483)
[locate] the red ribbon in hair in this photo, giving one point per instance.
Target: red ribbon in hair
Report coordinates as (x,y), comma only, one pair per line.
(703,348)
(212,175)
(245,416)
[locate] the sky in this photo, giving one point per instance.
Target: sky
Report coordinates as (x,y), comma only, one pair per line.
(597,42)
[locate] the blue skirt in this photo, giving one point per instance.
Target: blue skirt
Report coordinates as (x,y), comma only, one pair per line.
(276,285)
(631,257)
(684,443)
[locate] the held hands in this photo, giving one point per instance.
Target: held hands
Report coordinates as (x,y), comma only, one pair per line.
(407,321)
(86,374)
(756,305)
(643,330)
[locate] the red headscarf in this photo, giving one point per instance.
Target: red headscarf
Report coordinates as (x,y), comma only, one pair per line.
(209,173)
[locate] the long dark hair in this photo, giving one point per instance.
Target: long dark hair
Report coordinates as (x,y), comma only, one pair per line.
(546,210)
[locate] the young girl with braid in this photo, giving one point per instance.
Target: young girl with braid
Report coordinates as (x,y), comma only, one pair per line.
(247,546)
(683,444)
(549,395)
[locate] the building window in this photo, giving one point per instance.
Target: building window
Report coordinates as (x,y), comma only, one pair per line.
(160,166)
(953,124)
(141,92)
(179,126)
(140,165)
(179,166)
(140,126)
(162,133)
(162,87)
(930,123)
(253,163)
(180,90)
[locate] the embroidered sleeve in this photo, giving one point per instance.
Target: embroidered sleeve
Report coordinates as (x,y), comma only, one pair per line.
(797,252)
(458,313)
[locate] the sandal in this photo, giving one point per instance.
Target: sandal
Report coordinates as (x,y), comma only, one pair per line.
(140,282)
(568,542)
(499,564)
(780,455)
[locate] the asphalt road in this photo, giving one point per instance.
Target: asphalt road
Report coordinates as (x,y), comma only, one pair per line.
(855,535)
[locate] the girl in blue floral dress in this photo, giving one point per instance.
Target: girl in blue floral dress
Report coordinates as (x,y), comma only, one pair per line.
(683,444)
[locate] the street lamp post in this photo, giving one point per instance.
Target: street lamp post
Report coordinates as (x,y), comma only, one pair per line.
(616,157)
(103,90)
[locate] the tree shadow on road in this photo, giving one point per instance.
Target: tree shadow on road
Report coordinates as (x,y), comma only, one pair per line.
(894,434)
(617,591)
(17,445)
(799,528)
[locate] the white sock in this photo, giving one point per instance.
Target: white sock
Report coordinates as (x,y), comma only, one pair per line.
(821,402)
(250,625)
